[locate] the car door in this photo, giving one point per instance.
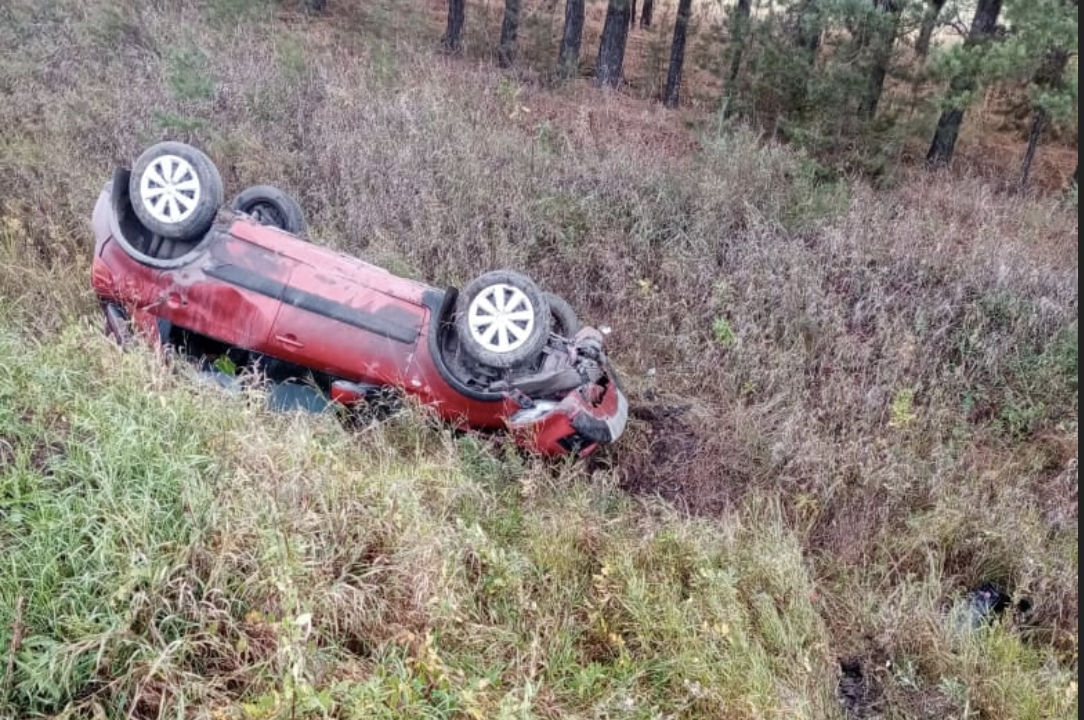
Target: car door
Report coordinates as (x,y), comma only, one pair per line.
(233,295)
(333,321)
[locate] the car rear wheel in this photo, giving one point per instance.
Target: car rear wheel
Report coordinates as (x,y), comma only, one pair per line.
(502,319)
(268,205)
(176,190)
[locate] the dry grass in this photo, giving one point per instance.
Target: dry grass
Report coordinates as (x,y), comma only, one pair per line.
(867,398)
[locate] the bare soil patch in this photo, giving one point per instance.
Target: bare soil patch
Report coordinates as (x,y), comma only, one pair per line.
(679,452)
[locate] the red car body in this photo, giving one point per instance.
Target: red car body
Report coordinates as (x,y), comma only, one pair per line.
(260,288)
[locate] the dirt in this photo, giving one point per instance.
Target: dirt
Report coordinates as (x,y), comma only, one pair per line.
(860,694)
(865,690)
(675,452)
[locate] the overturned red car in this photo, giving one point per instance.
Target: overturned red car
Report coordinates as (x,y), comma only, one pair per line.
(240,288)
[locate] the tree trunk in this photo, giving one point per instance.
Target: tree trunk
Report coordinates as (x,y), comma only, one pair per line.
(740,32)
(884,38)
(1037,124)
(1051,71)
(568,58)
(506,51)
(453,35)
(632,14)
(1050,74)
(948,125)
(677,53)
(611,48)
(929,24)
(985,21)
(944,137)
(645,13)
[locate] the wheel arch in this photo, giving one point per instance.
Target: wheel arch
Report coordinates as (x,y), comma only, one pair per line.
(132,235)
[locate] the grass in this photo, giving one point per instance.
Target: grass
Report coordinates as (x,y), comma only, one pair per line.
(166,548)
(850,406)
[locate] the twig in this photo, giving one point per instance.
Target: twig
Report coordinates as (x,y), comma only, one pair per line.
(13,647)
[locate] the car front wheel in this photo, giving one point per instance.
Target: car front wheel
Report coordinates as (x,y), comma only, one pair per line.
(268,205)
(565,322)
(502,319)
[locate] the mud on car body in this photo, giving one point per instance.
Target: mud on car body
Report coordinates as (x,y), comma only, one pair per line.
(240,284)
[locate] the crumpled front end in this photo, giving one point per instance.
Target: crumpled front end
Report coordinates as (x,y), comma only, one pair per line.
(594,413)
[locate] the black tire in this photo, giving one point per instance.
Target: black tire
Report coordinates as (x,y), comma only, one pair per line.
(268,205)
(565,323)
(506,292)
(184,183)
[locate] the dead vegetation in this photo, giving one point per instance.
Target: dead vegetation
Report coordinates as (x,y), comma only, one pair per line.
(867,398)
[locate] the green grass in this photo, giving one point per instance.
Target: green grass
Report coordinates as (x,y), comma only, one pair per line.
(166,546)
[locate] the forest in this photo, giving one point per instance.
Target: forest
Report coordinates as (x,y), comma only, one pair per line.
(817,72)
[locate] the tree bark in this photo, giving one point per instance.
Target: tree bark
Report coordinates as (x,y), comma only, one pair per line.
(1037,125)
(568,58)
(740,32)
(506,50)
(1050,74)
(948,125)
(677,53)
(944,138)
(453,34)
(883,36)
(611,48)
(929,24)
(646,12)
(632,14)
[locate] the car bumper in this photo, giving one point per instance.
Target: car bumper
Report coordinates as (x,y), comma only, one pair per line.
(591,416)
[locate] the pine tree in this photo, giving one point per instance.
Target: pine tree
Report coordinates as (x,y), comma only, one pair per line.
(453,34)
(611,47)
(963,82)
(677,53)
(568,58)
(506,51)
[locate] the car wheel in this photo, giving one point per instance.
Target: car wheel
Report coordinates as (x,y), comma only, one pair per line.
(502,319)
(565,322)
(268,205)
(176,190)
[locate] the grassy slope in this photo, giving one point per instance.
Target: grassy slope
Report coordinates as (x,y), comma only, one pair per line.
(164,545)
(881,387)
